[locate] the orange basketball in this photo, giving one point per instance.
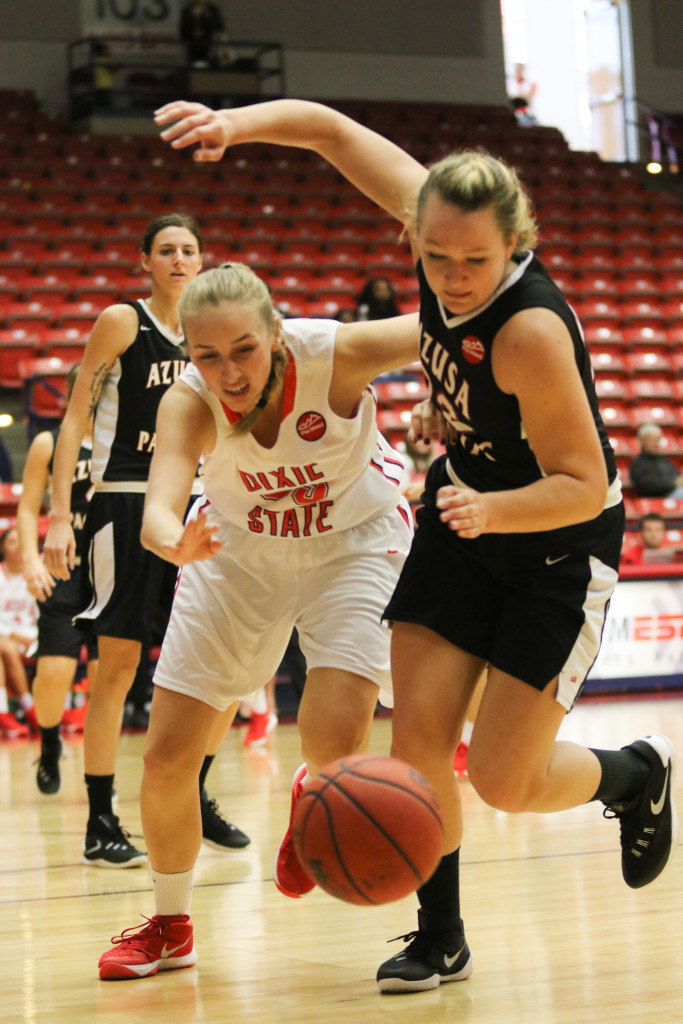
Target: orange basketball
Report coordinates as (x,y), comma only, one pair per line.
(368,829)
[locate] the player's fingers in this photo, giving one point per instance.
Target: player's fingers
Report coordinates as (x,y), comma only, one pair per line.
(175,110)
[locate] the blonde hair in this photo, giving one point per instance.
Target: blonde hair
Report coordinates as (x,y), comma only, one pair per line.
(473,179)
(236,282)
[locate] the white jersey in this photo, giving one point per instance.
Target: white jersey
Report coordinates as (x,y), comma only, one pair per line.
(323,473)
(18,608)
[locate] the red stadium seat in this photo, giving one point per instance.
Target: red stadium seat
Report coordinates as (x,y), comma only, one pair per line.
(645,335)
(16,346)
(649,387)
(639,310)
(607,362)
(664,413)
(79,315)
(647,361)
(30,316)
(611,389)
(617,415)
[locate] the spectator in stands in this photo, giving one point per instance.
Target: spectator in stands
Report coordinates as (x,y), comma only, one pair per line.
(653,474)
(377,301)
(199,23)
(6,470)
(345,315)
(522,92)
(652,546)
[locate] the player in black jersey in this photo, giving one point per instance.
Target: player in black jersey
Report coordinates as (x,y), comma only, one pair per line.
(517,547)
(133,354)
(59,640)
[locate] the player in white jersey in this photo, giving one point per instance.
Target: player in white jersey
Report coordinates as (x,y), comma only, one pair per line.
(132,356)
(517,548)
(303,524)
(18,633)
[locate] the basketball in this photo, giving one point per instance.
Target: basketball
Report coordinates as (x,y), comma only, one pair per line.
(368,829)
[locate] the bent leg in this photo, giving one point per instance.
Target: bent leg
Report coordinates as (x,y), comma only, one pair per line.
(515,762)
(54,676)
(335,715)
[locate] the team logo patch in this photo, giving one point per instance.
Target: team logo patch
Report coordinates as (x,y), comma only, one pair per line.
(311,426)
(472,349)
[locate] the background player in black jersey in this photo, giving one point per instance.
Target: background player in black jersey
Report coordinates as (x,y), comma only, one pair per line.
(517,548)
(59,640)
(133,354)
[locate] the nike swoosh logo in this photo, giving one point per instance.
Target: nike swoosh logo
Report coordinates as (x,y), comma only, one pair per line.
(167,950)
(95,848)
(450,960)
(143,328)
(551,561)
(656,808)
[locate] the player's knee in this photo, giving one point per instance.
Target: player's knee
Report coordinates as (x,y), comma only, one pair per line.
(161,769)
(501,790)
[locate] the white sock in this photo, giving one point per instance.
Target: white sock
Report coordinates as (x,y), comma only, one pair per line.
(259,705)
(172,893)
(26,701)
(4,706)
(467,731)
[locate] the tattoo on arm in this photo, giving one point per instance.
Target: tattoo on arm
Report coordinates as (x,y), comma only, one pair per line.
(98,378)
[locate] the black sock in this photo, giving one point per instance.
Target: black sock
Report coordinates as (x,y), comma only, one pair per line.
(100,789)
(204,771)
(440,897)
(624,774)
(50,742)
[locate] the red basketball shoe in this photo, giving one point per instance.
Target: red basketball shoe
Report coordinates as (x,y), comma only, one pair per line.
(460,761)
(73,719)
(163,944)
(31,719)
(260,728)
(10,728)
(288,874)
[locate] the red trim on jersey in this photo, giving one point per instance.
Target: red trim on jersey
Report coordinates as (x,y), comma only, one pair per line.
(402,512)
(289,388)
(232,417)
(380,469)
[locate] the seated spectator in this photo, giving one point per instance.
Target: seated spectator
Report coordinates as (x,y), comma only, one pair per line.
(377,301)
(653,546)
(653,474)
(18,632)
(345,315)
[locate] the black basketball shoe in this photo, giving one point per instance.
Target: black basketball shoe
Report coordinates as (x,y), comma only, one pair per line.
(48,778)
(107,845)
(426,962)
(649,824)
(218,833)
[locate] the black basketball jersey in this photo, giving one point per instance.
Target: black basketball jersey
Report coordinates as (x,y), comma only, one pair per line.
(81,489)
(490,451)
(125,418)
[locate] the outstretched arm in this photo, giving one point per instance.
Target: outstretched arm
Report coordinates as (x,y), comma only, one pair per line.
(184,429)
(378,168)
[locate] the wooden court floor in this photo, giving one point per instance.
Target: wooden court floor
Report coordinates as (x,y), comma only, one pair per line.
(556,935)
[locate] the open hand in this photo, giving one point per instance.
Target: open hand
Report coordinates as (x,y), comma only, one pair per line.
(195,125)
(196,543)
